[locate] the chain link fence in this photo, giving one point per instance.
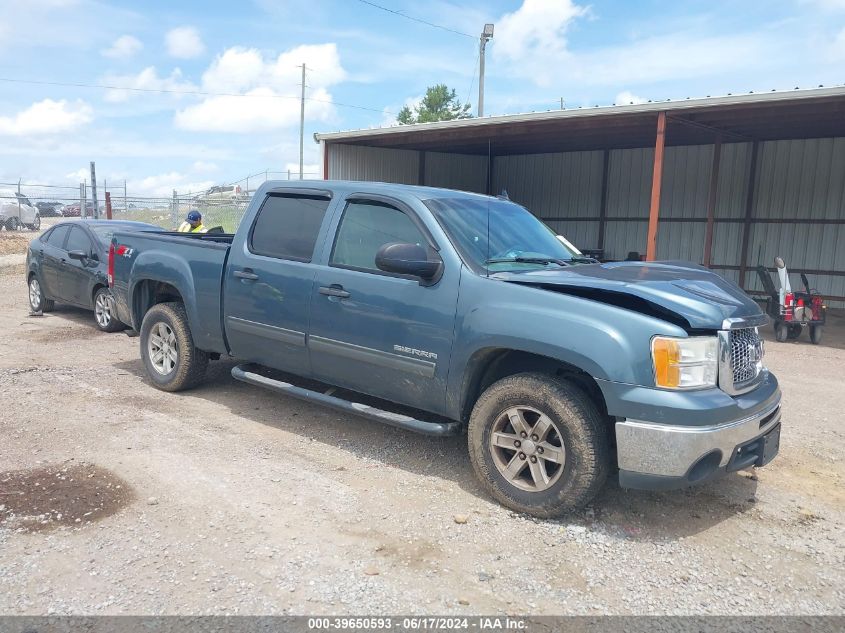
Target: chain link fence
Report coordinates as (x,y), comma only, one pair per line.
(221,206)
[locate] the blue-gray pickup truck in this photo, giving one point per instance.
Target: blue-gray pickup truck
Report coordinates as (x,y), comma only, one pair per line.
(442,312)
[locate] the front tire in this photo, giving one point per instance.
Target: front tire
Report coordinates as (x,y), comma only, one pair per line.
(36,223)
(104,313)
(781,331)
(538,444)
(816,334)
(793,331)
(172,361)
(12,224)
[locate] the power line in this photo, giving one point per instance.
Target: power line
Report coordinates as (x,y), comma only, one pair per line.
(409,17)
(183,92)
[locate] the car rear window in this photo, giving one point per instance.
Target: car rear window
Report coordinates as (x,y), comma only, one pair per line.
(57,235)
(287,226)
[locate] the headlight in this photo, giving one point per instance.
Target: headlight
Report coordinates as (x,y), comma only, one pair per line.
(685,363)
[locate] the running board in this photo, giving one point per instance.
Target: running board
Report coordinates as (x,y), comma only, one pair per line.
(249,373)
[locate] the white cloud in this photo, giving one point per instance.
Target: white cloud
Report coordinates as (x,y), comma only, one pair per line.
(184,42)
(124,47)
(47,117)
(626,97)
(310,171)
(80,175)
(272,85)
(838,47)
(533,37)
(147,79)
(162,185)
(202,166)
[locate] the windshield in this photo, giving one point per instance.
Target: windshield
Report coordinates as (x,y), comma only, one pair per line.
(517,239)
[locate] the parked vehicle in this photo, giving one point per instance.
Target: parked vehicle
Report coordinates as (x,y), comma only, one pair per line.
(49,209)
(17,211)
(438,311)
(222,194)
(73,210)
(68,264)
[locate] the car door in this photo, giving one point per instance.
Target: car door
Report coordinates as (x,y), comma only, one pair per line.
(52,255)
(75,275)
(269,278)
(383,334)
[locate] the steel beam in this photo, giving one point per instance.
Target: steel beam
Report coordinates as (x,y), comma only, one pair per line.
(711,200)
(656,182)
(749,212)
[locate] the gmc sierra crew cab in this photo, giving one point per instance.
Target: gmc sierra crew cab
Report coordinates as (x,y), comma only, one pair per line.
(442,312)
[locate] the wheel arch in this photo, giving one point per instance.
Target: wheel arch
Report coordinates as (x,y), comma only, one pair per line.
(148,292)
(489,365)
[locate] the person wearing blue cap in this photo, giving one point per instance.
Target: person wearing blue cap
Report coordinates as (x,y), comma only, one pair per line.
(192,223)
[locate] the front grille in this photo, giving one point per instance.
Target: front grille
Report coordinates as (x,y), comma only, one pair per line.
(746,355)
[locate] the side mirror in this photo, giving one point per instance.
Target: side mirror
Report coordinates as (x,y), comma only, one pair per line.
(407,259)
(94,257)
(78,255)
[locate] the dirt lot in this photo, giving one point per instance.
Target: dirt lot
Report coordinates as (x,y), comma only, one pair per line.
(118,498)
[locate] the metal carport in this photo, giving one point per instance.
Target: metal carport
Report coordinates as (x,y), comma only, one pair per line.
(728,182)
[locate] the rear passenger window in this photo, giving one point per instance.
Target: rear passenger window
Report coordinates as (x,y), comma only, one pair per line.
(287,226)
(365,228)
(78,241)
(57,236)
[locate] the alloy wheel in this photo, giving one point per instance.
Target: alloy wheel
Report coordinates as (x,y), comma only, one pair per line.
(34,294)
(102,310)
(527,449)
(162,348)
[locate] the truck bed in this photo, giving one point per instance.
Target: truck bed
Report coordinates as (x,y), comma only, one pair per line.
(190,263)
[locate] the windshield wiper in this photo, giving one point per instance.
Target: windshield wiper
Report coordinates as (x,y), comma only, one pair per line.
(528,260)
(585,260)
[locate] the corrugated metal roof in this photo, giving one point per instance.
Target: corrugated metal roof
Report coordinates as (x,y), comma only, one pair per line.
(668,106)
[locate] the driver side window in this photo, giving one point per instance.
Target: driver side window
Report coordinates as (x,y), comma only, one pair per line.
(365,228)
(78,241)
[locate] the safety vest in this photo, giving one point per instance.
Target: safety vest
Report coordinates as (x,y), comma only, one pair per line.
(185,227)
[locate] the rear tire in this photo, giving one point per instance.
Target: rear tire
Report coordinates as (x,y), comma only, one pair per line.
(172,361)
(557,469)
(793,331)
(781,331)
(104,312)
(37,300)
(816,334)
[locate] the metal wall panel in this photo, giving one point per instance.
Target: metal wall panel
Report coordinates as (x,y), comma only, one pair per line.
(456,171)
(629,184)
(552,185)
(375,164)
(731,193)
(685,184)
(801,178)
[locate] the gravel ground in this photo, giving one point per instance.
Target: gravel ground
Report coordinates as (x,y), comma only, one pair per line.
(229,499)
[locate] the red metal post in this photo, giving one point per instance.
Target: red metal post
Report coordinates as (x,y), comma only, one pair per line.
(711,200)
(108,205)
(656,181)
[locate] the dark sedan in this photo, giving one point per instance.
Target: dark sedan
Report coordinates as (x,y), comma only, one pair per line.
(68,264)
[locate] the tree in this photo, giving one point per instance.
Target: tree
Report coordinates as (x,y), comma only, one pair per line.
(438,104)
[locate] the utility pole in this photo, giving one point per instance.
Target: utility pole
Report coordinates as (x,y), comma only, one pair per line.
(96,208)
(302,124)
(486,35)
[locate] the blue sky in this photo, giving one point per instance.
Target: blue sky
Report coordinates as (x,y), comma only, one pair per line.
(586,52)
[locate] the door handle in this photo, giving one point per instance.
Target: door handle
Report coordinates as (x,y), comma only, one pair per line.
(335,290)
(246,273)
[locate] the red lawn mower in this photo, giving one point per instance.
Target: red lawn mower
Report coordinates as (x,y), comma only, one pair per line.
(791,311)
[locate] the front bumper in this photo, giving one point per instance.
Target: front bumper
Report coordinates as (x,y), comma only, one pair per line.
(660,457)
(668,439)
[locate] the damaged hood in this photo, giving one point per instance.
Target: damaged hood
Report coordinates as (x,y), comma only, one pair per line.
(701,298)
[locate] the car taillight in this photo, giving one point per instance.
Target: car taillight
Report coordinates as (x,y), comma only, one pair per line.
(111,266)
